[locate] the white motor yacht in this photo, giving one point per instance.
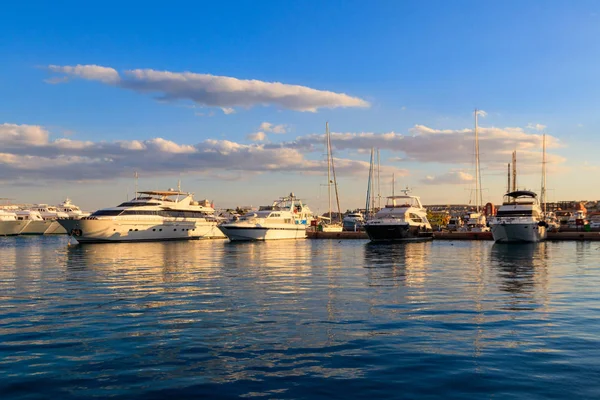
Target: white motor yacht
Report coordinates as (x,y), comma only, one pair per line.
(150,216)
(51,213)
(402,219)
(71,209)
(9,224)
(37,225)
(353,222)
(519,219)
(286,218)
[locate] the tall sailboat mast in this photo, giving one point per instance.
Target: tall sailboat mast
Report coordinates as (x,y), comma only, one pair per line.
(328,169)
(478,196)
(543,191)
(369,186)
(335,186)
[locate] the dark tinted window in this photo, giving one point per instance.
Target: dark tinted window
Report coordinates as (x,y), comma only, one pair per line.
(106,213)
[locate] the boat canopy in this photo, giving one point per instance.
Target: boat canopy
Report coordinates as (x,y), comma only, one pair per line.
(521,193)
(164,193)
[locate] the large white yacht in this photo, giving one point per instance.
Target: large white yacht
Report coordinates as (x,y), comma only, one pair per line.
(37,224)
(403,218)
(150,216)
(71,209)
(286,218)
(519,219)
(51,213)
(9,224)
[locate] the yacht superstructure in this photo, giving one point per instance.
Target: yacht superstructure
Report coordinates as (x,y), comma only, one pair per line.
(37,224)
(51,213)
(519,219)
(150,216)
(9,224)
(286,218)
(403,218)
(71,209)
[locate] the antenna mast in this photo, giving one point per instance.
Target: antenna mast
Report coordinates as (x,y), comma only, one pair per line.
(508,186)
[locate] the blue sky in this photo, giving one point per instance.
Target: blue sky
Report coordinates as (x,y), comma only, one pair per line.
(414,69)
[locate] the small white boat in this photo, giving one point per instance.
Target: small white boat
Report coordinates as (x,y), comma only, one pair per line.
(286,218)
(9,224)
(519,219)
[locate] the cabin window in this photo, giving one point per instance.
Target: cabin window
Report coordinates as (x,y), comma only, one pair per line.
(415,218)
(106,213)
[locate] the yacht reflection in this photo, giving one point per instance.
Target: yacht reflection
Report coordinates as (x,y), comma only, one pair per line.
(397,263)
(144,263)
(522,271)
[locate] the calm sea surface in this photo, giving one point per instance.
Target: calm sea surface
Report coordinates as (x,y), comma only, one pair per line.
(299,319)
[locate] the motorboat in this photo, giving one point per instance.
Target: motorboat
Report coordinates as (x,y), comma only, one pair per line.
(519,219)
(151,216)
(286,218)
(37,224)
(71,209)
(353,222)
(9,224)
(402,219)
(51,213)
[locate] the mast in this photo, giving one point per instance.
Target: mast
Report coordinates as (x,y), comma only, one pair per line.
(335,186)
(368,201)
(378,181)
(543,191)
(514,170)
(328,169)
(393,183)
(478,196)
(135,175)
(508,186)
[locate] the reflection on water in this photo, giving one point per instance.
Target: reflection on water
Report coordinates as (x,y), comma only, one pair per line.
(522,269)
(298,319)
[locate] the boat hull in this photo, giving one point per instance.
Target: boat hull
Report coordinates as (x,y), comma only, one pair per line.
(37,227)
(103,231)
(397,232)
(55,228)
(518,232)
(12,228)
(255,233)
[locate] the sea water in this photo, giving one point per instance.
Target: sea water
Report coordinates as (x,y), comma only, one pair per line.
(299,320)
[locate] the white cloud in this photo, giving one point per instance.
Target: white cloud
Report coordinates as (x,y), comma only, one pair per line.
(227,110)
(537,127)
(212,90)
(89,72)
(257,137)
(447,146)
(269,127)
(449,178)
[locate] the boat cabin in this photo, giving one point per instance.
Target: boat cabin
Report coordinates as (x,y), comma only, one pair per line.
(404,201)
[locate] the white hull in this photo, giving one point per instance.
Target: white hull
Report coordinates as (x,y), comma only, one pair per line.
(252,232)
(526,232)
(55,229)
(37,227)
(10,228)
(115,230)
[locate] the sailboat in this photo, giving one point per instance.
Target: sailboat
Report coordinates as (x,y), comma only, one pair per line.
(327,224)
(476,222)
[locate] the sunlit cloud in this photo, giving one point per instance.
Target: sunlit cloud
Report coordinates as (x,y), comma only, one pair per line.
(210,90)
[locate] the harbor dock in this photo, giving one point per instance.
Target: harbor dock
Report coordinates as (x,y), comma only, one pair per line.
(445,235)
